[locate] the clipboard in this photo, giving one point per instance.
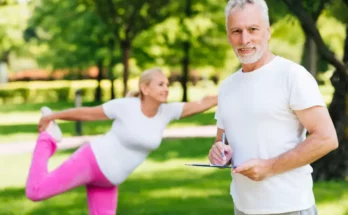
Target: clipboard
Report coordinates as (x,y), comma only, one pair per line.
(208,165)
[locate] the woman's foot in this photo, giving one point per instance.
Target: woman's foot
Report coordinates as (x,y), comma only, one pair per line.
(52,129)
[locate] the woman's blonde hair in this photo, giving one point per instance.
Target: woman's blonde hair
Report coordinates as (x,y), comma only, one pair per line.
(145,78)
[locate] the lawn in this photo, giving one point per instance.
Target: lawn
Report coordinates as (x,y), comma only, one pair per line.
(161,185)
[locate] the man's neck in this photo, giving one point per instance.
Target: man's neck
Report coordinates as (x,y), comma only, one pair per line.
(266,58)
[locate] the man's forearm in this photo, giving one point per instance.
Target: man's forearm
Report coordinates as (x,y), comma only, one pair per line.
(310,150)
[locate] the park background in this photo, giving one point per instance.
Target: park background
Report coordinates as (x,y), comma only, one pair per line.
(50,49)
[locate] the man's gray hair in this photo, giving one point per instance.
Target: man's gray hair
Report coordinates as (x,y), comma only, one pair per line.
(241,3)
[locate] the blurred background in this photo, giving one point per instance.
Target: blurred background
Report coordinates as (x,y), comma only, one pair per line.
(52,49)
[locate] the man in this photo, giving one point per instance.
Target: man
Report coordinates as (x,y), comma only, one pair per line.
(265,109)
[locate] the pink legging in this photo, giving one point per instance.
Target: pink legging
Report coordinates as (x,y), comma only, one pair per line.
(80,169)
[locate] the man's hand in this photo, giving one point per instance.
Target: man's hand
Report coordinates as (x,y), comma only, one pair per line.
(255,169)
(220,154)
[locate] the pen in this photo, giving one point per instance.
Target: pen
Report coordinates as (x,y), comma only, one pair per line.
(223,143)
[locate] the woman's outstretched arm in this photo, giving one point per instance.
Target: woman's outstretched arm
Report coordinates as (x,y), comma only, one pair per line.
(74,114)
(191,108)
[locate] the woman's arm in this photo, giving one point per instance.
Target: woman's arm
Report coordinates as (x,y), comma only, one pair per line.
(80,114)
(191,108)
(74,114)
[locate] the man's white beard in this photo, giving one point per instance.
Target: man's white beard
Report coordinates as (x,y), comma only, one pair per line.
(252,58)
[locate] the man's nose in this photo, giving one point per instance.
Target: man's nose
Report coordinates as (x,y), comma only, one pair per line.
(245,37)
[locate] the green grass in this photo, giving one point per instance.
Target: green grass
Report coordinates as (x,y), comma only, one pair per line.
(161,185)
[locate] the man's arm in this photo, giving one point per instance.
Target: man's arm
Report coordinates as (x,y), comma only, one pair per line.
(321,140)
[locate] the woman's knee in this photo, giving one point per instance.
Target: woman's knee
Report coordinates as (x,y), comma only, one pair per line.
(33,193)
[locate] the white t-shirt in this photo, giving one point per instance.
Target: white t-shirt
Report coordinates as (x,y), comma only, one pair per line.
(132,136)
(256,110)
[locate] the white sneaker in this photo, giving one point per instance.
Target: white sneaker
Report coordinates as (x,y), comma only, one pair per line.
(52,129)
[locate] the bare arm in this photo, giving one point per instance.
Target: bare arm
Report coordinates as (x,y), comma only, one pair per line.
(191,108)
(74,114)
(219,133)
(321,140)
(80,114)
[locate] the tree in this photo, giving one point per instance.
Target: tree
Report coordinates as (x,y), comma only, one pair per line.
(12,23)
(332,166)
(193,36)
(72,31)
(194,11)
(310,53)
(126,19)
(7,2)
(279,10)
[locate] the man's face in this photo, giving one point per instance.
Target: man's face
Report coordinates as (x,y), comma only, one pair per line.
(248,33)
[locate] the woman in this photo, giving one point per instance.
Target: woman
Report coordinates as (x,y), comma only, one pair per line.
(107,161)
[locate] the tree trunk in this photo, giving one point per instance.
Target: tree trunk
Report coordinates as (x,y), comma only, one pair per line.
(186,57)
(186,70)
(4,62)
(126,47)
(3,73)
(112,80)
(335,165)
(310,56)
(112,62)
(111,76)
(98,90)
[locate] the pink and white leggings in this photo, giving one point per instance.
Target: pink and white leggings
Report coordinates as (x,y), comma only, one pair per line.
(80,169)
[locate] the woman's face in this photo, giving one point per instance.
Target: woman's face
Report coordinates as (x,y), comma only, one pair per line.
(157,89)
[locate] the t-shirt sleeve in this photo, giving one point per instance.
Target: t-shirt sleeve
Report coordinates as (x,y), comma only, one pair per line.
(218,113)
(218,119)
(304,90)
(113,108)
(174,110)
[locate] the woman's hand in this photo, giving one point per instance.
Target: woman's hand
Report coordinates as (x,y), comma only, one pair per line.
(43,123)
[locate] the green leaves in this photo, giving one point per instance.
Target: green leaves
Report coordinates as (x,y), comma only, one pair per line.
(338,9)
(75,35)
